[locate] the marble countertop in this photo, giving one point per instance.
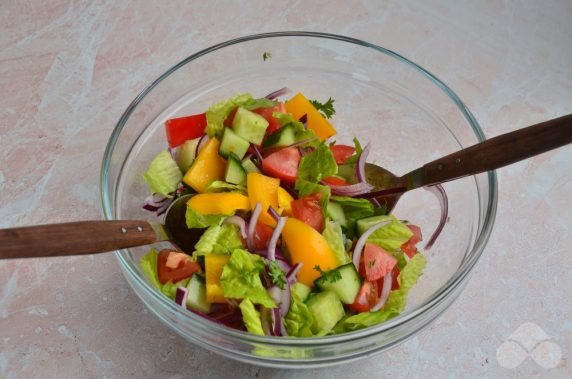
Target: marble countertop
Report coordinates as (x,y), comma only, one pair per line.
(68,69)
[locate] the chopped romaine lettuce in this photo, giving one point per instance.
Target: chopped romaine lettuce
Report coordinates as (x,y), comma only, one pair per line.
(197,220)
(219,239)
(412,271)
(251,317)
(354,209)
(240,278)
(217,113)
(317,165)
(333,234)
(163,174)
(391,236)
(299,320)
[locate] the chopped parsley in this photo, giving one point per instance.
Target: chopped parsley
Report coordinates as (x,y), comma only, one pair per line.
(326,109)
(331,276)
(276,274)
(266,55)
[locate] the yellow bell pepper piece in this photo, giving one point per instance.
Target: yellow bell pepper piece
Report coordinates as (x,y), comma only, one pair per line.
(218,203)
(284,202)
(208,166)
(299,106)
(264,190)
(308,247)
(213,270)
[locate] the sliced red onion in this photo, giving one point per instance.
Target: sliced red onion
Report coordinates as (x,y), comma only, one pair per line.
(276,94)
(387,281)
(276,322)
(357,189)
(360,167)
(157,203)
(174,153)
(265,318)
(276,294)
(256,152)
(274,239)
(266,280)
(252,226)
(381,193)
(304,120)
(284,266)
(439,191)
(285,300)
(363,239)
(375,202)
(181,296)
(204,139)
(273,212)
(291,276)
(238,221)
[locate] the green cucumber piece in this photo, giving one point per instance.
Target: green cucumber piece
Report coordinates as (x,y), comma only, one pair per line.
(186,154)
(285,136)
(249,166)
(301,290)
(336,213)
(235,173)
(197,294)
(231,143)
(366,223)
(347,287)
(249,125)
(327,310)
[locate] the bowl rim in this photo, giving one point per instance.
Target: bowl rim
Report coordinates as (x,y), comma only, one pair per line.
(436,298)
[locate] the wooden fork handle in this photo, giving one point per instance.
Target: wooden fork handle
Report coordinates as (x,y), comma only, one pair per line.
(495,152)
(74,238)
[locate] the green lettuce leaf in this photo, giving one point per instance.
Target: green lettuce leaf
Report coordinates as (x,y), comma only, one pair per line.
(335,238)
(221,186)
(197,220)
(354,158)
(391,236)
(163,174)
(317,165)
(218,112)
(396,301)
(219,239)
(299,320)
(148,265)
(354,209)
(240,278)
(258,103)
(251,317)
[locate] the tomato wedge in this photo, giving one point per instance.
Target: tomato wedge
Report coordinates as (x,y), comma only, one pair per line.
(377,262)
(335,181)
(367,297)
(283,164)
(182,129)
(262,234)
(273,123)
(308,210)
(342,152)
(409,247)
(185,269)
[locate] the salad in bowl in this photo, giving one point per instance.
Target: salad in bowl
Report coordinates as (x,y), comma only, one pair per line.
(288,242)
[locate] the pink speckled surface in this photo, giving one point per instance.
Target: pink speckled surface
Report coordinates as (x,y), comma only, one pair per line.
(69,69)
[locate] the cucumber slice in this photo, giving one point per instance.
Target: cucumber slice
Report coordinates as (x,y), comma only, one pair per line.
(197,294)
(336,213)
(249,125)
(283,137)
(301,290)
(249,166)
(233,144)
(347,287)
(235,173)
(327,310)
(186,154)
(366,223)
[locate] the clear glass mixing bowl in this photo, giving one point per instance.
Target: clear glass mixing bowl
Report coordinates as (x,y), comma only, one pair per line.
(408,116)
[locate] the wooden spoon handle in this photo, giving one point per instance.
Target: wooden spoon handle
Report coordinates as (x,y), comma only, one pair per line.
(74,238)
(495,152)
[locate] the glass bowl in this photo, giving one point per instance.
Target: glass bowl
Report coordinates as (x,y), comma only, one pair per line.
(409,116)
